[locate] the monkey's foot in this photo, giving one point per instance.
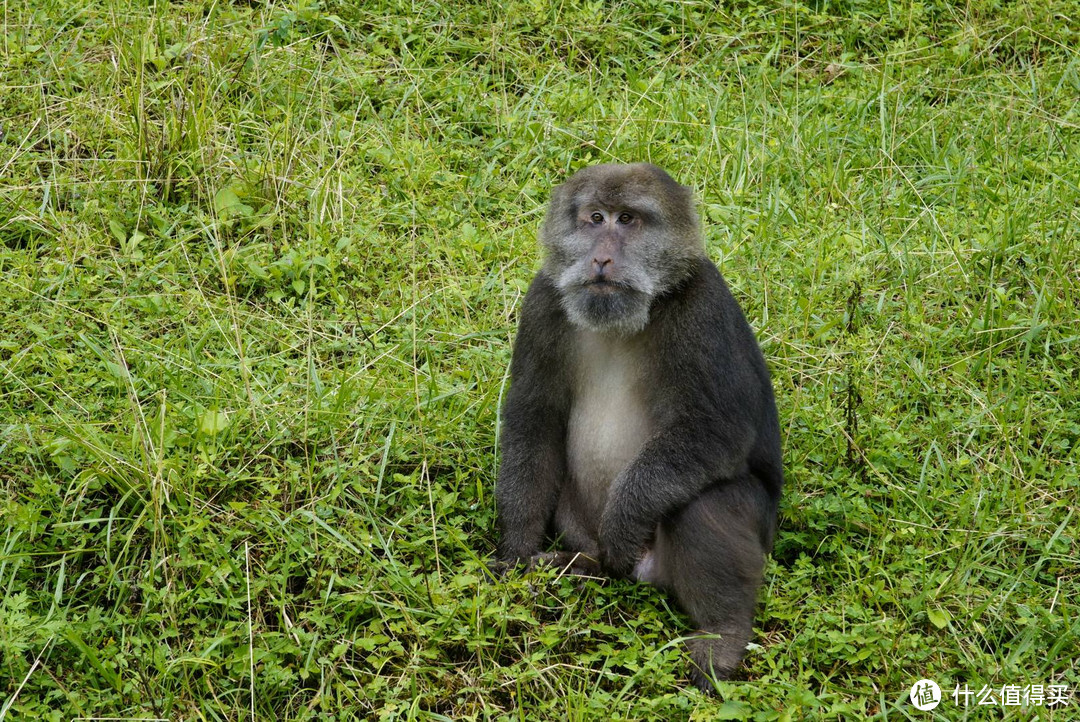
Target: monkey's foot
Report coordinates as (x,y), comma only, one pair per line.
(714,658)
(575,563)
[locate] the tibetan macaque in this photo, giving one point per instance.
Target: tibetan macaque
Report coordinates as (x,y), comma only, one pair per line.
(640,429)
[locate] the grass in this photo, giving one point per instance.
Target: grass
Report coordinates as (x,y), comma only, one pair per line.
(260,270)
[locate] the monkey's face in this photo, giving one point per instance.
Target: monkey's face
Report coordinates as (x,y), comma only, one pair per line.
(617,237)
(605,285)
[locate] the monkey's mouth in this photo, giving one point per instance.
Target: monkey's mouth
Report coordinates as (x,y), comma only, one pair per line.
(601,285)
(602,303)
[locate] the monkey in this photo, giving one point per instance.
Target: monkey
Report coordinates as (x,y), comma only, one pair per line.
(640,430)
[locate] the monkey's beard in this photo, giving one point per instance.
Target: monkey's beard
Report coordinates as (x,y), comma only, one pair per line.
(604,306)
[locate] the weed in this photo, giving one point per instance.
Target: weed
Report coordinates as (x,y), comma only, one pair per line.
(260,271)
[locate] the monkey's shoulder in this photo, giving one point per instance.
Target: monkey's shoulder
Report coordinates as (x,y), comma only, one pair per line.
(542,293)
(542,313)
(543,336)
(702,301)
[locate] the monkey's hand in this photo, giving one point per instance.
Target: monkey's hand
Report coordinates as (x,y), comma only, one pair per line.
(620,547)
(499,568)
(507,560)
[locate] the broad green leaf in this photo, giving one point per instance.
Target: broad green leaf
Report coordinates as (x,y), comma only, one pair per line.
(938,617)
(213,422)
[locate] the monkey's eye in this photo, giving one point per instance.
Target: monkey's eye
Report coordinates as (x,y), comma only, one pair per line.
(625,218)
(596,218)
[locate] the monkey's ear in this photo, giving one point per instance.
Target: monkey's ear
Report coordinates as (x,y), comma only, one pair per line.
(559,193)
(688,193)
(562,204)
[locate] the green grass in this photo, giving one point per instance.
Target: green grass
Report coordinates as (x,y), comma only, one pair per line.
(259,273)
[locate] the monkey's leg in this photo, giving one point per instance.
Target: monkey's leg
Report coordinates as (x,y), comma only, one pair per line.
(575,529)
(712,555)
(579,555)
(576,537)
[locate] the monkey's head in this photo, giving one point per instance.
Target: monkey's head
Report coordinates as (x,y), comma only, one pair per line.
(617,237)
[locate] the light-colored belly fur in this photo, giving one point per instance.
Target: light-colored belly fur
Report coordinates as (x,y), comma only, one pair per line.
(608,420)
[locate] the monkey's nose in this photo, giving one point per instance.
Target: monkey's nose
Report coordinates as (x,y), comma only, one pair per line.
(600,264)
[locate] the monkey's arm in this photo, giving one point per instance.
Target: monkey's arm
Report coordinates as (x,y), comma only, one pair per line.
(530,474)
(674,468)
(711,411)
(533,439)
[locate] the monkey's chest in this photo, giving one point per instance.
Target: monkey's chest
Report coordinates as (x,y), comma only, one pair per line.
(609,420)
